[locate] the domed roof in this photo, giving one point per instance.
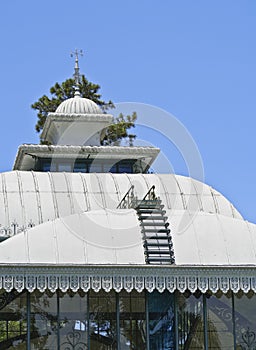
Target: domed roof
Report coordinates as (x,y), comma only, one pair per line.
(62,194)
(78,105)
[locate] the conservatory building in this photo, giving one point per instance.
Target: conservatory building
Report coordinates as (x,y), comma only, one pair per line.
(98,253)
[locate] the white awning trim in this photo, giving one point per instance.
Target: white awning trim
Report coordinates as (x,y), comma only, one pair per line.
(170,279)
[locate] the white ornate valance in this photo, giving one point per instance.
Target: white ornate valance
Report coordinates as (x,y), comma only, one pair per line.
(151,278)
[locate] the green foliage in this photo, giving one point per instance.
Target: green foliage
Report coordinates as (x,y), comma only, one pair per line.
(119,130)
(60,92)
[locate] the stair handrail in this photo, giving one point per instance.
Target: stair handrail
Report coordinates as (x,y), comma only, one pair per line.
(127,200)
(150,195)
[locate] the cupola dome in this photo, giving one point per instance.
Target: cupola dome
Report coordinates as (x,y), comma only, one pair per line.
(78,105)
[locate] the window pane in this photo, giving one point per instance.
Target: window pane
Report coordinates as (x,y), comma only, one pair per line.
(245,320)
(132,320)
(13,320)
(125,167)
(190,321)
(73,321)
(102,316)
(96,167)
(80,167)
(49,165)
(44,325)
(220,322)
(109,167)
(64,167)
(161,320)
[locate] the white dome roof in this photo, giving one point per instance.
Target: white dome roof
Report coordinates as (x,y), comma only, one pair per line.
(114,237)
(78,211)
(63,194)
(78,105)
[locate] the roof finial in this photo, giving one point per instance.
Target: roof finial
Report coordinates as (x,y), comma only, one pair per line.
(76,53)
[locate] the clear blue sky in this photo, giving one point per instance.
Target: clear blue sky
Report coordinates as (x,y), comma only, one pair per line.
(195,59)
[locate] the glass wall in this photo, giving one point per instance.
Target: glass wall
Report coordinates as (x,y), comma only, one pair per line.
(132,320)
(245,321)
(90,165)
(190,321)
(161,320)
(220,323)
(122,321)
(73,320)
(102,321)
(43,320)
(13,320)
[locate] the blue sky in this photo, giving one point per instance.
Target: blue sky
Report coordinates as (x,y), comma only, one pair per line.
(194,59)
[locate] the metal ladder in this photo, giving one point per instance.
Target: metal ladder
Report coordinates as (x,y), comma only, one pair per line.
(157,240)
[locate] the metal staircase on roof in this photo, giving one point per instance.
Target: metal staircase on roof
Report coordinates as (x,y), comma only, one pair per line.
(157,240)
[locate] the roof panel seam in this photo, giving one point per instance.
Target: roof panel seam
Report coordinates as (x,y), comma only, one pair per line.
(54,199)
(70,196)
(39,208)
(101,191)
(86,193)
(23,210)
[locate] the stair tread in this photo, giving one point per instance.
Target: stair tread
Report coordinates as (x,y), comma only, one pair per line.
(151,236)
(153,217)
(149,200)
(156,259)
(159,244)
(157,239)
(153,223)
(164,230)
(150,212)
(165,252)
(154,228)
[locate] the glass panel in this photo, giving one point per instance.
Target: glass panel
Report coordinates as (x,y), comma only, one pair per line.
(80,167)
(113,169)
(220,322)
(65,167)
(102,314)
(110,167)
(43,321)
(48,165)
(73,321)
(96,167)
(190,321)
(245,320)
(161,320)
(132,320)
(13,320)
(138,167)
(125,167)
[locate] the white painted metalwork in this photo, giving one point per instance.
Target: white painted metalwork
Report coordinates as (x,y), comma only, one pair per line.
(78,105)
(118,278)
(27,154)
(78,239)
(41,197)
(114,237)
(76,53)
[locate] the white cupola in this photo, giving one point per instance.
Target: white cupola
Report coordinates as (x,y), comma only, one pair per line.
(78,105)
(77,121)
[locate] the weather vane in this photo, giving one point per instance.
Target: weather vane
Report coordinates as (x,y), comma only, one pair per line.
(76,53)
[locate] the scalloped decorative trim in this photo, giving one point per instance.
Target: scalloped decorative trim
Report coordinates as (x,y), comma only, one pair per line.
(96,279)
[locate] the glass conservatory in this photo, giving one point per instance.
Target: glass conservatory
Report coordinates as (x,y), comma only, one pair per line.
(96,253)
(127,320)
